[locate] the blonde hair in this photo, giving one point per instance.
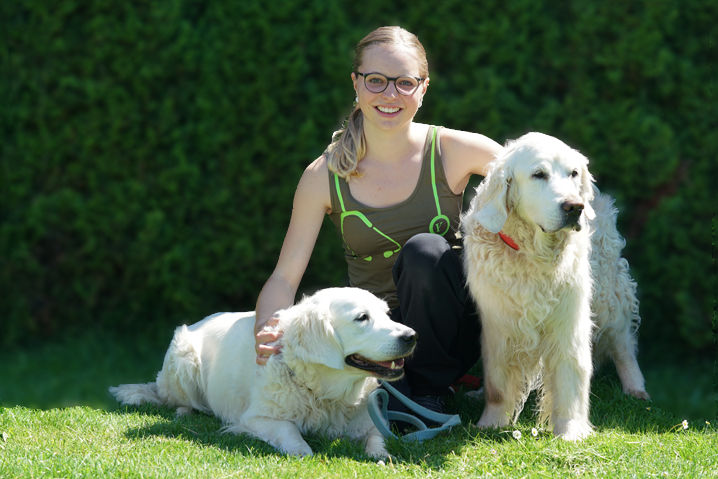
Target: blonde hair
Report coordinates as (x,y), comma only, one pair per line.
(348,145)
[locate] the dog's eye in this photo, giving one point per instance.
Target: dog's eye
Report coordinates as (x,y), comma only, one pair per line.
(362,317)
(539,175)
(574,173)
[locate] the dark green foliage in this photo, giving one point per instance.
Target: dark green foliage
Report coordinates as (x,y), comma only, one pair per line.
(150,150)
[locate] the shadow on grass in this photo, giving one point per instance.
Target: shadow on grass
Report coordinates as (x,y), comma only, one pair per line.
(611,411)
(205,429)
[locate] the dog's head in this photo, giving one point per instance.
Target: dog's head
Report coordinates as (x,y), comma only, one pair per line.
(349,329)
(541,179)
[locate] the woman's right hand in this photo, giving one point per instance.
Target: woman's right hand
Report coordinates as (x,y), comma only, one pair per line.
(267,335)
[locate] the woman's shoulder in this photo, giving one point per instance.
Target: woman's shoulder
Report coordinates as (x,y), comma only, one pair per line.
(472,151)
(318,167)
(315,181)
(466,139)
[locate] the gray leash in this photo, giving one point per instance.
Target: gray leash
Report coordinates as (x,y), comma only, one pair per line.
(377,406)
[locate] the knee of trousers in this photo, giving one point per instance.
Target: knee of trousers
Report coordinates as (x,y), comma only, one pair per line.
(426,255)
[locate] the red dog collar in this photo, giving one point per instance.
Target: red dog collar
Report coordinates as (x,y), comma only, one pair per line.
(507,239)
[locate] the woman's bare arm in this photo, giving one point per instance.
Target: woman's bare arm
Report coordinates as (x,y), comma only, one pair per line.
(465,154)
(311,203)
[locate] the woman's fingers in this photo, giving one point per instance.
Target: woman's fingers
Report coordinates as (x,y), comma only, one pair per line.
(265,336)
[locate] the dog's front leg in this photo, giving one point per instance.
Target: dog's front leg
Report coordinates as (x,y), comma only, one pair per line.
(501,383)
(283,435)
(567,385)
(361,427)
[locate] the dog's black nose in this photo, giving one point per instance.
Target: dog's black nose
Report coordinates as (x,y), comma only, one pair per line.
(572,209)
(409,338)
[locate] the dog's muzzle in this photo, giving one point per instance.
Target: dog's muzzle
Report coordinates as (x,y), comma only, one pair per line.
(391,369)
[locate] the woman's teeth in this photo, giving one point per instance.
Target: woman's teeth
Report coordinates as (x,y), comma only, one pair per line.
(384,109)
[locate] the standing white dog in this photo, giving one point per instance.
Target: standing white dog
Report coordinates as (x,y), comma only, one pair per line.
(533,237)
(335,345)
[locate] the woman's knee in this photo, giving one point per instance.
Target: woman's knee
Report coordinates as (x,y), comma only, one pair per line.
(425,248)
(424,253)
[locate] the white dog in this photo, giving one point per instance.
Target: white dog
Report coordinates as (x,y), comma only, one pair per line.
(533,238)
(335,345)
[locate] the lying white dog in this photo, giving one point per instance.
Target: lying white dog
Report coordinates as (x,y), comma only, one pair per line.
(533,239)
(335,345)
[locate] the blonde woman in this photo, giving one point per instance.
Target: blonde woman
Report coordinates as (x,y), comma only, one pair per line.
(394,189)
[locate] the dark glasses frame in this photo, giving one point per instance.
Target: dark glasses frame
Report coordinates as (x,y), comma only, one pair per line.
(388,79)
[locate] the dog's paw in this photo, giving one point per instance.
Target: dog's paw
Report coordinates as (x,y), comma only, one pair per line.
(300,450)
(375,447)
(495,416)
(183,411)
(572,429)
(638,394)
(380,454)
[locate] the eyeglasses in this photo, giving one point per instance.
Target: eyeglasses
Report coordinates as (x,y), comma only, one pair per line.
(377,83)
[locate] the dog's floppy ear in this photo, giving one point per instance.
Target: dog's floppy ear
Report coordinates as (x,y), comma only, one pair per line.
(311,337)
(492,195)
(587,191)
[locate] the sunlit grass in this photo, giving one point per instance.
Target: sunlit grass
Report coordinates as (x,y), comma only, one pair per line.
(632,437)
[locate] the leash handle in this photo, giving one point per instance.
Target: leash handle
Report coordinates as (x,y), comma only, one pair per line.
(381,416)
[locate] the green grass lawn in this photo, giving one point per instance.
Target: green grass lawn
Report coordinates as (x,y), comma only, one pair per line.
(48,435)
(632,439)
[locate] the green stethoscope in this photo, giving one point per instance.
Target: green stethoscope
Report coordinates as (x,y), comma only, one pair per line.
(439,224)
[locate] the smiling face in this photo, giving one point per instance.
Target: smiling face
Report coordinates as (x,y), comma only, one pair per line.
(389,109)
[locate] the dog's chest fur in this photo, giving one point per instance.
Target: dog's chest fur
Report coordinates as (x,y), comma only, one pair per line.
(296,395)
(533,283)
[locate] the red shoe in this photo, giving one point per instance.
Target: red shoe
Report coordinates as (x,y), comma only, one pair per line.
(470,382)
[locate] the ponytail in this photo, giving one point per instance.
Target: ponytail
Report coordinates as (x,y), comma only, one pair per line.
(348,147)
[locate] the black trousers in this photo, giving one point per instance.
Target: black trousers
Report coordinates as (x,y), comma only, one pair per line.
(435,302)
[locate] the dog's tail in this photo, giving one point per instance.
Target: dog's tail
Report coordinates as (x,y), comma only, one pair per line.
(137,394)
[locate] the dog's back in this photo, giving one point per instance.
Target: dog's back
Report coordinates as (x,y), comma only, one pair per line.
(183,380)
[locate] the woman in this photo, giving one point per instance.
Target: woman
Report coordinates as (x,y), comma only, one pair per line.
(394,189)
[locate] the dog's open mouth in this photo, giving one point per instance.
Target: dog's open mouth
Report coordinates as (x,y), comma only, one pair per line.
(385,369)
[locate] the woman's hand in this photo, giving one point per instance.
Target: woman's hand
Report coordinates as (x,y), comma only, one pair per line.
(267,335)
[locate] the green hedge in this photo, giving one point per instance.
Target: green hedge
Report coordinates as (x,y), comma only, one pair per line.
(150,150)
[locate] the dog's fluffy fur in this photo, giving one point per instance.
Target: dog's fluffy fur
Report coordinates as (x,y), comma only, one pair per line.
(535,302)
(335,345)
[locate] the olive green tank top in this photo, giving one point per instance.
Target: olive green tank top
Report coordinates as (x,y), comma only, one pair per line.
(373,237)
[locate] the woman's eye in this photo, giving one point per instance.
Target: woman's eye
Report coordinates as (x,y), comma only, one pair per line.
(362,317)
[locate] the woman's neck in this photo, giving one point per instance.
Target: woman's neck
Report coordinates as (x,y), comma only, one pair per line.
(393,146)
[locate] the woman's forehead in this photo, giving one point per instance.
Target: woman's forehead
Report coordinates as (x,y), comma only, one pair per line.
(391,60)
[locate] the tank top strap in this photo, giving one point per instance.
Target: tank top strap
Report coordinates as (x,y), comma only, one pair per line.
(435,163)
(335,192)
